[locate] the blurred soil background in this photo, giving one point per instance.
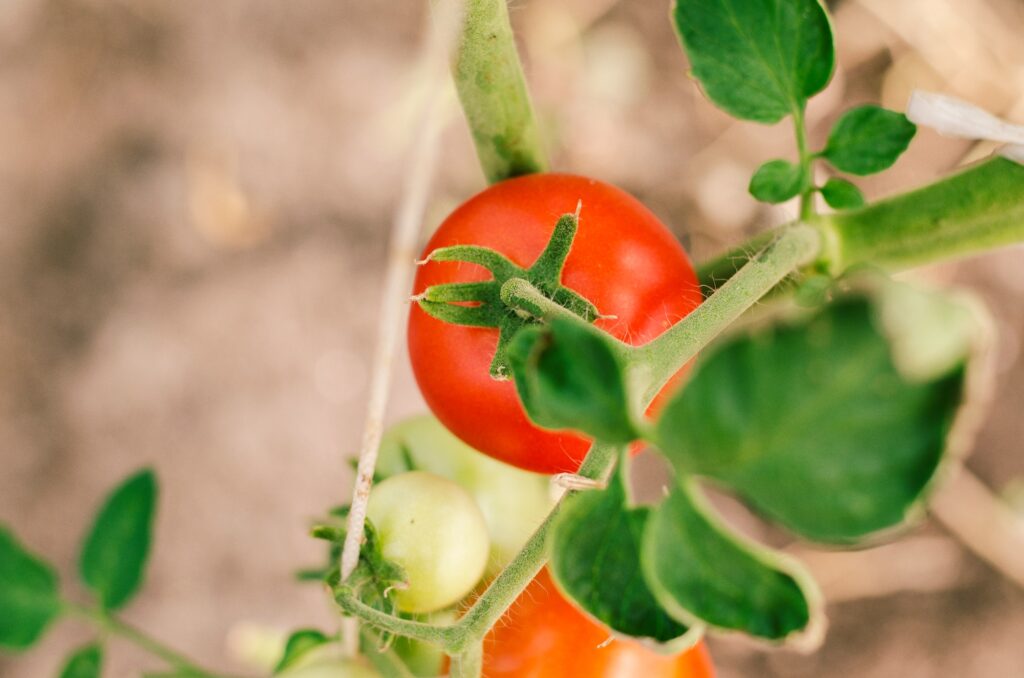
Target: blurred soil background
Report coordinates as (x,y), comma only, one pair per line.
(195,199)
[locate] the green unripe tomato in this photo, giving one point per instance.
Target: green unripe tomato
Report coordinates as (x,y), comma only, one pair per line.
(434,530)
(514,502)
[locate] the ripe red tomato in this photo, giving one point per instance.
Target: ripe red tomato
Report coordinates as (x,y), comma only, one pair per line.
(543,636)
(623,260)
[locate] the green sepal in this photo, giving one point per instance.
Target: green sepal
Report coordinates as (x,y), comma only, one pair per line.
(595,561)
(777,181)
(868,139)
(758,60)
(29,595)
(568,376)
(479,304)
(840,194)
(298,645)
(114,554)
(374,576)
(833,424)
(700,571)
(85,662)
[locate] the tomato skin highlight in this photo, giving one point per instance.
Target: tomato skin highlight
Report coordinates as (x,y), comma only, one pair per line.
(544,636)
(624,260)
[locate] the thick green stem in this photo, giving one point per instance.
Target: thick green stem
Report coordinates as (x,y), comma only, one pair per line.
(974,210)
(657,361)
(492,90)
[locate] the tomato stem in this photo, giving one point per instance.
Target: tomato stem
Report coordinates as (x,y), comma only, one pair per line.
(656,361)
(492,89)
(521,295)
(977,209)
(974,210)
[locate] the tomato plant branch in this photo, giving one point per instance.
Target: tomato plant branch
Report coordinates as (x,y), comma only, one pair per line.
(716,271)
(977,209)
(507,586)
(492,603)
(973,210)
(656,361)
(489,79)
(111,624)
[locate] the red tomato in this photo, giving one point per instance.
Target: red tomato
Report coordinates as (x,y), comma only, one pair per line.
(543,636)
(623,260)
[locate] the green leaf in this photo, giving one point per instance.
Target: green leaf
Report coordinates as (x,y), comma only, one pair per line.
(595,560)
(776,181)
(841,194)
(114,554)
(814,423)
(868,139)
(29,598)
(568,377)
(299,644)
(86,662)
(758,60)
(701,571)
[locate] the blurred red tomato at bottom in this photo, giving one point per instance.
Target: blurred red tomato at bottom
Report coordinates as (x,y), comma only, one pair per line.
(543,636)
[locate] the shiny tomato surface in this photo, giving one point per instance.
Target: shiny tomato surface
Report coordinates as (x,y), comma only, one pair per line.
(544,636)
(624,260)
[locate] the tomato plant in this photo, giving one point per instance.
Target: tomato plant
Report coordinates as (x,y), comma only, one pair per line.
(623,260)
(544,636)
(552,315)
(431,528)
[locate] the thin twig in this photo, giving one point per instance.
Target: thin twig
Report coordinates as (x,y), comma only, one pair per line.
(983,523)
(398,276)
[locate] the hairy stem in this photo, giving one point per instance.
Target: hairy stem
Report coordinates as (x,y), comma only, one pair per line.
(507,586)
(521,295)
(657,361)
(716,271)
(492,90)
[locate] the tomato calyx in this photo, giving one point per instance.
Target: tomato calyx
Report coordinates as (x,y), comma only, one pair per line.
(482,304)
(374,578)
